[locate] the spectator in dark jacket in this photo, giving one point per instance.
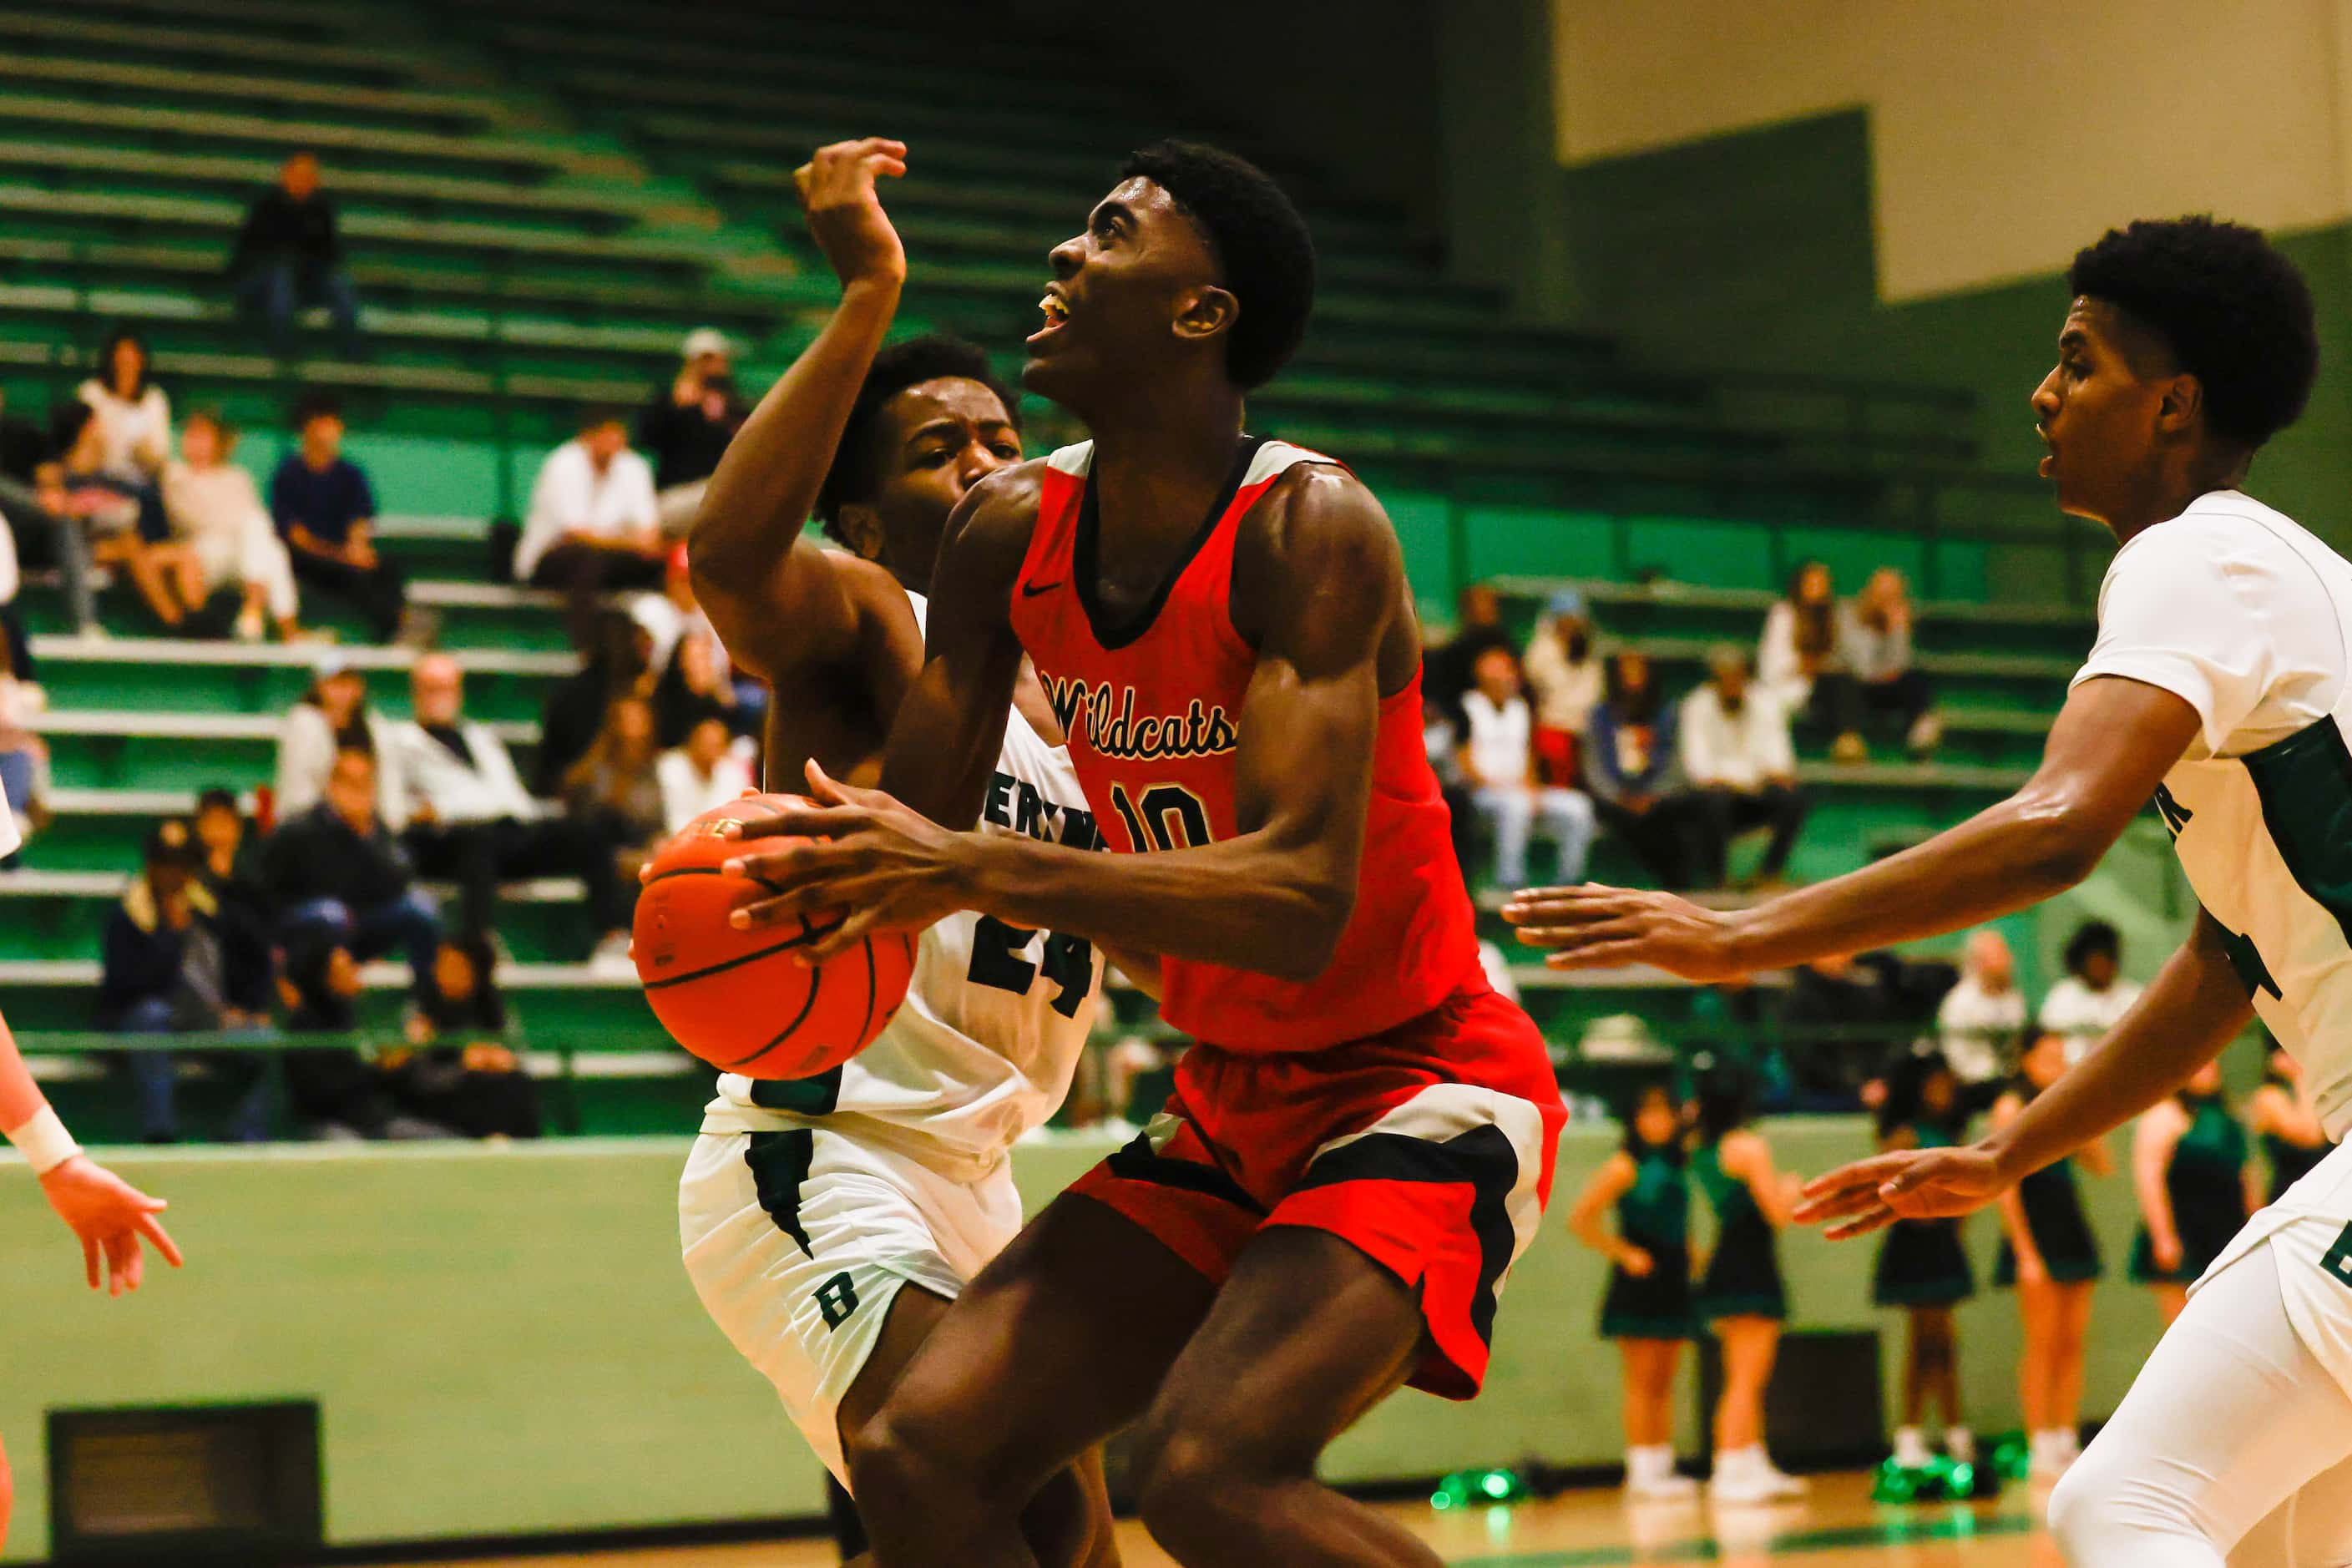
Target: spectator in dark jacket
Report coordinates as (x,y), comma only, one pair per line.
(325,512)
(1630,768)
(341,877)
(333,1092)
(464,1073)
(167,968)
(233,872)
(686,427)
(289,257)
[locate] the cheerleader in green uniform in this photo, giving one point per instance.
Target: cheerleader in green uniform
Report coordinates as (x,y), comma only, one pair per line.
(1740,1296)
(1648,1307)
(1922,1267)
(2197,1182)
(2049,1254)
(2279,1115)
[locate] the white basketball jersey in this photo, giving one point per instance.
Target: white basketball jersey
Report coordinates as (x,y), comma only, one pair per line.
(2246,616)
(984,1046)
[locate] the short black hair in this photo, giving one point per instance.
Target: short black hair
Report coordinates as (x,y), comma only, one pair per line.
(2236,314)
(105,366)
(1265,254)
(318,403)
(218,797)
(2090,937)
(172,843)
(856,471)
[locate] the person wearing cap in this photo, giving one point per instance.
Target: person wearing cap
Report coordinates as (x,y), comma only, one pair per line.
(325,513)
(167,967)
(686,428)
(1563,672)
(333,716)
(593,522)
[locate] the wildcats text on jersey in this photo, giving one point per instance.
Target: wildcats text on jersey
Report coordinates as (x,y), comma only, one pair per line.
(1200,731)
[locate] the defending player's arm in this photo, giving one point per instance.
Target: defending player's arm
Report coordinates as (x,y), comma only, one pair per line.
(107,1213)
(789,611)
(1273,898)
(2196,1006)
(2110,747)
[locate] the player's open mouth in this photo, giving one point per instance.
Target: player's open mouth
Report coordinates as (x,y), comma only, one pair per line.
(2049,464)
(1056,311)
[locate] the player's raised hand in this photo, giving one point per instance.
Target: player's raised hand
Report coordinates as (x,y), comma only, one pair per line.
(111,1216)
(1905,1184)
(889,866)
(1594,927)
(844,213)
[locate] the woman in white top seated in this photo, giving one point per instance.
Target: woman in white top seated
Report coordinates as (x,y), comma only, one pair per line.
(134,418)
(216,511)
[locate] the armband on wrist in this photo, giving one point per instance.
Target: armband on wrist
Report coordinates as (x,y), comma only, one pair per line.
(43,1141)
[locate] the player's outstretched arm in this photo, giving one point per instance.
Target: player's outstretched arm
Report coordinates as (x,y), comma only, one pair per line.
(2110,747)
(106,1211)
(788,610)
(1273,898)
(2195,1006)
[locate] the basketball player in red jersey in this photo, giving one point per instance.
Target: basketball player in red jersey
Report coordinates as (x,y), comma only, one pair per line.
(1361,1142)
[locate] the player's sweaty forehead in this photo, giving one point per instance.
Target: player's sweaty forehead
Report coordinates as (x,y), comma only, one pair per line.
(1142,214)
(951,408)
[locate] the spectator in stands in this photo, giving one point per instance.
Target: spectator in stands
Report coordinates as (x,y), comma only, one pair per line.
(339,878)
(593,523)
(333,716)
(134,418)
(1499,759)
(670,612)
(1802,661)
(122,522)
(2094,995)
(1631,768)
(1887,686)
(613,789)
(290,256)
(1442,742)
(700,774)
(686,427)
(41,537)
(1737,754)
(617,665)
(24,756)
(1564,678)
(470,819)
(694,688)
(325,514)
(216,512)
(1451,669)
(1980,1025)
(460,1070)
(336,1094)
(166,968)
(232,869)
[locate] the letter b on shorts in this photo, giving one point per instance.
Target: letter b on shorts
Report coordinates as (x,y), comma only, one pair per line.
(836,1299)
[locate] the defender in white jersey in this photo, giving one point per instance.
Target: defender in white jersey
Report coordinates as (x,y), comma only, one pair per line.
(2219,686)
(826,1223)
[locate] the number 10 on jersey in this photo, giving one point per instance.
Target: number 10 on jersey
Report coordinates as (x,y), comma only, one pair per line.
(1164,816)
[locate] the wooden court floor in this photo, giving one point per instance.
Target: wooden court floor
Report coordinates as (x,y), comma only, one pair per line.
(1837,1527)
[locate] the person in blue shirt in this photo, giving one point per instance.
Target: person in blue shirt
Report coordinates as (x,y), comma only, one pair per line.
(1631,772)
(325,512)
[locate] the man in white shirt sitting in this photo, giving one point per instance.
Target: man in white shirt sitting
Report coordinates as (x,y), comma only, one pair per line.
(1981,1025)
(594,522)
(701,773)
(470,819)
(1737,753)
(1499,761)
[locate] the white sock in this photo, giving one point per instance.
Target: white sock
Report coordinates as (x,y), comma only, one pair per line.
(1911,1447)
(1960,1443)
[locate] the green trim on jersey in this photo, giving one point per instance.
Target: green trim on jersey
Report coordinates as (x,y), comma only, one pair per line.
(2304,785)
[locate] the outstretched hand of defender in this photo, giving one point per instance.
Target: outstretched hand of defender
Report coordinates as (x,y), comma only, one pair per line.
(1594,927)
(844,213)
(1907,1184)
(112,1218)
(882,864)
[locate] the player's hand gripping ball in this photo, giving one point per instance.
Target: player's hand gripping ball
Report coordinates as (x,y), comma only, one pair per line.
(739,999)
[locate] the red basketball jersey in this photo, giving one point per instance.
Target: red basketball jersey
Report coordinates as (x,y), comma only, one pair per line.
(1153,710)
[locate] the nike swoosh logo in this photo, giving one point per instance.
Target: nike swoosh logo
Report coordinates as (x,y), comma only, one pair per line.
(1031,590)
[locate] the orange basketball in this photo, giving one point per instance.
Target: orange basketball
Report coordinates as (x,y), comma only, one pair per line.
(739,999)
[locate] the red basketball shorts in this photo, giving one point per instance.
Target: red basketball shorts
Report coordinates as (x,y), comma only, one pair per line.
(1428,1148)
